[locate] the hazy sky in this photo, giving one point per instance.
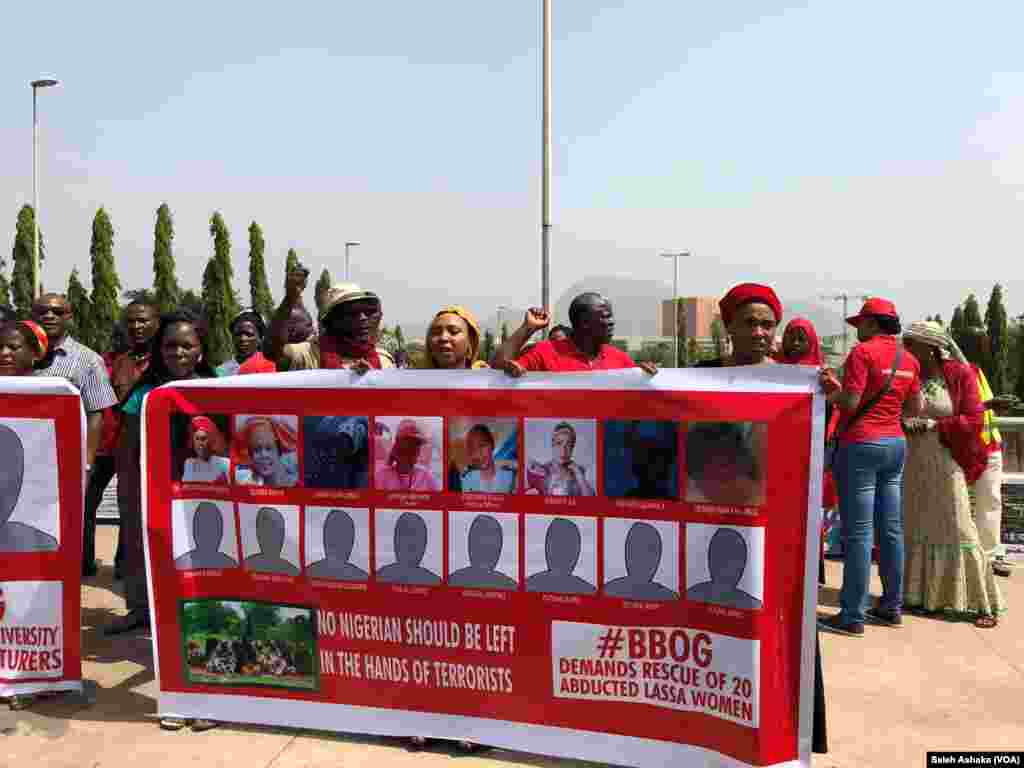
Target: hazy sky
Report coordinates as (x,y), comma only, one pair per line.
(874,146)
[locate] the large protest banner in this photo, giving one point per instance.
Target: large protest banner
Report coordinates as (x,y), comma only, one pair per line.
(42,486)
(603,566)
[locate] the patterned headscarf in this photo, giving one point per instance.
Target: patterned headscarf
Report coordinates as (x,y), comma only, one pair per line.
(934,335)
(474,337)
(218,446)
(287,439)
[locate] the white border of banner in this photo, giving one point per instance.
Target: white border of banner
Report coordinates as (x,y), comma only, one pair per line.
(41,386)
(768,379)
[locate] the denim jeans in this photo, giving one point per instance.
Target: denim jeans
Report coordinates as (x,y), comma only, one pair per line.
(869,477)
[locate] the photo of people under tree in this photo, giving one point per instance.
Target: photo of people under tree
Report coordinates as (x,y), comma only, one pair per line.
(226,642)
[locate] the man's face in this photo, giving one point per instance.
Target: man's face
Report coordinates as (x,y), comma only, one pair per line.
(752,331)
(246,337)
(357,321)
(53,313)
(598,321)
(141,322)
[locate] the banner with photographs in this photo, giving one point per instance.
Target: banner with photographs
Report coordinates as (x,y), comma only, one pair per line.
(622,567)
(42,487)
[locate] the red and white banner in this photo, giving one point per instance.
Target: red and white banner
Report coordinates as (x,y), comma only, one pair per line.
(42,486)
(601,566)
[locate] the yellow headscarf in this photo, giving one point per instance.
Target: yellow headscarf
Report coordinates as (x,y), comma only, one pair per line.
(474,337)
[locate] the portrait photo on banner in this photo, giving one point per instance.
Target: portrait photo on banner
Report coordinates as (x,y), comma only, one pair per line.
(483,550)
(407,453)
(203,534)
(483,455)
(409,546)
(230,642)
(29,486)
(337,543)
(641,460)
(726,462)
(641,559)
(561,554)
(264,451)
(725,565)
(336,452)
(270,538)
(200,448)
(561,457)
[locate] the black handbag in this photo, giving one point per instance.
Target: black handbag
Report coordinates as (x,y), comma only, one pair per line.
(832,444)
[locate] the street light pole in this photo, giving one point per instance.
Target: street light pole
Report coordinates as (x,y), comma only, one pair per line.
(36,85)
(545,228)
(675,301)
(349,244)
(845,298)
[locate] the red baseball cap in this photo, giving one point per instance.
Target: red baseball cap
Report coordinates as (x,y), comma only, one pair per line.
(874,307)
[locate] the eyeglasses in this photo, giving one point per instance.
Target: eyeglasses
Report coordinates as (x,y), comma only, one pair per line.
(44,311)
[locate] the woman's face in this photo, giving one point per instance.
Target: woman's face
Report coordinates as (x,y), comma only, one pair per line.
(264,451)
(795,343)
(201,445)
(562,445)
(479,451)
(181,350)
(449,341)
(724,481)
(247,339)
(752,331)
(16,357)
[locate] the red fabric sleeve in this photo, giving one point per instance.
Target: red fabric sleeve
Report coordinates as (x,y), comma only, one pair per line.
(961,432)
(532,360)
(855,370)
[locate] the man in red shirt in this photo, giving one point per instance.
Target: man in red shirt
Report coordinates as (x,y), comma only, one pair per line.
(587,348)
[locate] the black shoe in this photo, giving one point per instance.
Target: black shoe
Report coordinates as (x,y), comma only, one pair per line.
(884,617)
(130,621)
(840,627)
(89,570)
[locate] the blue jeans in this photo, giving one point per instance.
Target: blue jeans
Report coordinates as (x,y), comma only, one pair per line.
(869,477)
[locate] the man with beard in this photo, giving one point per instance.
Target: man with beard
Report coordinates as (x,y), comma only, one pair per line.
(350,322)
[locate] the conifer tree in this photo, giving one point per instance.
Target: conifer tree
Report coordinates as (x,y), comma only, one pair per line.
(214,305)
(5,285)
(291,261)
(222,253)
(106,288)
(488,346)
(972,312)
(322,285)
(259,290)
(399,337)
(82,326)
(956,324)
(165,278)
(21,255)
(998,336)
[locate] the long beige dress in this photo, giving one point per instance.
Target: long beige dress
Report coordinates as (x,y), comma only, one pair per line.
(945,566)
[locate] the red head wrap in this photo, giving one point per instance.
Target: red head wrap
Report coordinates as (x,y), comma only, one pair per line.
(218,446)
(749,293)
(287,439)
(813,355)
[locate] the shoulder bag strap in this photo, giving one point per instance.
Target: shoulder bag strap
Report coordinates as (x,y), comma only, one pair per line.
(865,407)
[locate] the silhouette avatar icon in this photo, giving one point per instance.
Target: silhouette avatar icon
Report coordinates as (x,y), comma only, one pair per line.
(485,545)
(207,532)
(643,556)
(410,546)
(339,540)
(562,546)
(270,537)
(727,560)
(14,536)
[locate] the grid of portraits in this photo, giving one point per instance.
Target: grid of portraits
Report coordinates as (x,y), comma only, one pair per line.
(699,462)
(366,535)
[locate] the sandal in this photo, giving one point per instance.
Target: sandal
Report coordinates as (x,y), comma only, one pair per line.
(172,723)
(986,621)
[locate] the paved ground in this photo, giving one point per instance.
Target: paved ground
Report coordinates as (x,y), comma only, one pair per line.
(891,696)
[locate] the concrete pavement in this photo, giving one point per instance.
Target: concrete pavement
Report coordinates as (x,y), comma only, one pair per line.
(892,696)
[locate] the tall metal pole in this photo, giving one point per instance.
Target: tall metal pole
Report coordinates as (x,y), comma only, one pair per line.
(35,195)
(675,307)
(349,244)
(545,229)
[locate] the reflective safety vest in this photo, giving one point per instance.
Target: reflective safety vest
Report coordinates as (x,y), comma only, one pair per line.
(989,432)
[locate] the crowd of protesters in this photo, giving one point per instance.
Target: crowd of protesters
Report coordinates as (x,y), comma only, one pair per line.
(909,424)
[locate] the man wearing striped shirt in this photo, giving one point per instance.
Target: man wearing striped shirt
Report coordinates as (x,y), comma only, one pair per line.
(75,362)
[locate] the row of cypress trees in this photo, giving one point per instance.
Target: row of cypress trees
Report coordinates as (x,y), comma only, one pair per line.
(97,312)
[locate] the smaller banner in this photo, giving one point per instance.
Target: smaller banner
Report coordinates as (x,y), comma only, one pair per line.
(1013,517)
(42,486)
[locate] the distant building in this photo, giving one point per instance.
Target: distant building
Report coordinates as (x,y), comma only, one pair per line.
(697,311)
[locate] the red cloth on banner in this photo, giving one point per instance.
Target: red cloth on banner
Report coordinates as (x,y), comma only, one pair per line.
(866,370)
(562,355)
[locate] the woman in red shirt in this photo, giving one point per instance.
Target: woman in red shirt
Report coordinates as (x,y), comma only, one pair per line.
(881,383)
